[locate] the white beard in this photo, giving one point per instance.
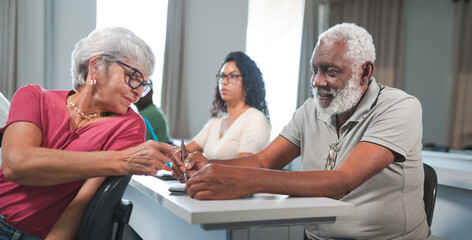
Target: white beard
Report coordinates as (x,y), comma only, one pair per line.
(343,100)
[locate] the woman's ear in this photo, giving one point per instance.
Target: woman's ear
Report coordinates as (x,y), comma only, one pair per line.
(93,65)
(367,72)
(243,96)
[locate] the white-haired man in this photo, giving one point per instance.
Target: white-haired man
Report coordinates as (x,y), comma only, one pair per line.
(359,141)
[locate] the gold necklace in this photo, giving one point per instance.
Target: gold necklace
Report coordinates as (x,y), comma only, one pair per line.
(88,117)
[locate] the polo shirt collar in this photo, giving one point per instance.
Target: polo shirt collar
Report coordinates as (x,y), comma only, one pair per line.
(327,118)
(369,98)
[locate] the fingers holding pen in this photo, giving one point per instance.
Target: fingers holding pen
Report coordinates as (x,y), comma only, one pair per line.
(181,160)
(164,148)
(161,153)
(147,158)
(194,162)
(178,167)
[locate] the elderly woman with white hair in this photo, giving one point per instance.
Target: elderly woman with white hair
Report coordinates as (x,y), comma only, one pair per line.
(59,145)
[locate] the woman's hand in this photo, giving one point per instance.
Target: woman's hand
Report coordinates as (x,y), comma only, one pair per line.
(215,181)
(146,158)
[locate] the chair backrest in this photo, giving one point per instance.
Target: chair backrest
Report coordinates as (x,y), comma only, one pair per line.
(106,208)
(430,187)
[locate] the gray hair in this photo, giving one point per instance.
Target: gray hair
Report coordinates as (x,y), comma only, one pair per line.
(113,44)
(359,43)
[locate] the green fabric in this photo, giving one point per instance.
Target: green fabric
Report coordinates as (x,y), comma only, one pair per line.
(158,121)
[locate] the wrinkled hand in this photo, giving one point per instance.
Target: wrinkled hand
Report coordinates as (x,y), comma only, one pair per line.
(147,158)
(216,181)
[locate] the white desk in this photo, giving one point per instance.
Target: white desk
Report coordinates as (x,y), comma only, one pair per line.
(158,214)
(453,209)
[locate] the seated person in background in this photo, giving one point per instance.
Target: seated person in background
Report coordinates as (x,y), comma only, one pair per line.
(156,118)
(239,123)
(359,141)
(4,106)
(57,146)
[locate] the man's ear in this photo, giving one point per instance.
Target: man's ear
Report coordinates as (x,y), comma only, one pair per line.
(367,71)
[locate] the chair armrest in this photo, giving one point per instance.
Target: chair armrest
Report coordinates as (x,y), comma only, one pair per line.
(123,211)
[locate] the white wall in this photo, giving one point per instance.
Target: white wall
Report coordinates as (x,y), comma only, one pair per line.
(427,67)
(48,31)
(212,30)
(31,42)
(73,20)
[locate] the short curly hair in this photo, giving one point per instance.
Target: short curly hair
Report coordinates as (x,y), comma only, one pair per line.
(359,42)
(112,43)
(253,85)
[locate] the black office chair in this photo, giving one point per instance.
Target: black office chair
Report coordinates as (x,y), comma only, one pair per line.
(430,187)
(105,209)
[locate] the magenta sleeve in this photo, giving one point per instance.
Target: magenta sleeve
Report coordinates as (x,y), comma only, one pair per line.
(130,133)
(25,106)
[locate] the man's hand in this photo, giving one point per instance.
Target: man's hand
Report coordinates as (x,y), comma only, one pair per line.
(193,162)
(178,167)
(215,181)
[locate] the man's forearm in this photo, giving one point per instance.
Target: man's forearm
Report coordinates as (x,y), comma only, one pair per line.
(305,183)
(246,161)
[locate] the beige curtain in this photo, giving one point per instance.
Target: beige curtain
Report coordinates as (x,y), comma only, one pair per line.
(385,21)
(309,38)
(462,68)
(173,97)
(8,48)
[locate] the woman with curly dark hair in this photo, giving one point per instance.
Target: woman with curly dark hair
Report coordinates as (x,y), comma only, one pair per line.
(239,123)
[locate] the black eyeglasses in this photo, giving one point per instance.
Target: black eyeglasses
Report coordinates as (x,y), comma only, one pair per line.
(136,80)
(232,78)
(332,155)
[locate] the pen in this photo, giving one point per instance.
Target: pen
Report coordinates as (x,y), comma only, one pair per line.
(149,128)
(182,154)
(168,165)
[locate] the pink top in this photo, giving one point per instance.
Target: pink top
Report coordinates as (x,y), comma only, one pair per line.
(35,209)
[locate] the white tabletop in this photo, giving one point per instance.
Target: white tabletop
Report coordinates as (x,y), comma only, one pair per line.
(255,210)
(453,169)
(454,178)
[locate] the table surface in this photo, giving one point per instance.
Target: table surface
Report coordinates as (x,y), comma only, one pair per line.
(454,178)
(258,208)
(453,169)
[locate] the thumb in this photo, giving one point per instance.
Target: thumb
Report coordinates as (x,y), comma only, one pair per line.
(189,164)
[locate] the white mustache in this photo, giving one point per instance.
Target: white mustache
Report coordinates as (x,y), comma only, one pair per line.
(325,91)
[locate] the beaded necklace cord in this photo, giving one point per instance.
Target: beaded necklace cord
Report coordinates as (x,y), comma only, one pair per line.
(88,117)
